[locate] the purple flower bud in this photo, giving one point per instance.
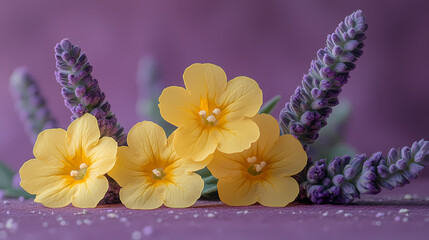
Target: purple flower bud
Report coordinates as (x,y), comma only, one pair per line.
(319,103)
(307,117)
(382,171)
(406,153)
(393,169)
(401,164)
(350,45)
(316,93)
(325,85)
(80,91)
(338,180)
(337,51)
(328,60)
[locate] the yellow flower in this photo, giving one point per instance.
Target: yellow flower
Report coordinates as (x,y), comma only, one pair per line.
(151,173)
(263,172)
(69,167)
(210,113)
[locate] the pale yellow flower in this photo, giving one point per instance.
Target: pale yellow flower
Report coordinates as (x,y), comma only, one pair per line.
(211,113)
(151,173)
(263,172)
(69,167)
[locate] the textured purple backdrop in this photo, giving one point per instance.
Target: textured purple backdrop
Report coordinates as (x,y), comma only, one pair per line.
(272,42)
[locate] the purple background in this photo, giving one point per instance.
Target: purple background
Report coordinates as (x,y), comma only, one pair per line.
(272,42)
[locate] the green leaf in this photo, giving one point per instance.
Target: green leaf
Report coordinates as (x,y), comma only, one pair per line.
(210,185)
(6,176)
(270,105)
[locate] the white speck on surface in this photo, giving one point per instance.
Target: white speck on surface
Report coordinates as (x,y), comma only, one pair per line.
(33,211)
(11,225)
(112,215)
(148,230)
(171,212)
(325,214)
(379,215)
(21,199)
(6,202)
(45,224)
(211,215)
(196,215)
(245,212)
(59,218)
(123,219)
(176,217)
(102,218)
(7,212)
(405,219)
(87,221)
(348,214)
(408,197)
(404,210)
(397,218)
(339,212)
(136,235)
(159,220)
(63,223)
(78,222)
(377,223)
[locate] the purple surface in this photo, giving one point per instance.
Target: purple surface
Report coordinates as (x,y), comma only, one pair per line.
(398,214)
(270,41)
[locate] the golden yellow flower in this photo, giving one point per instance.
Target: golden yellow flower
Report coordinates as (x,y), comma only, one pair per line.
(151,173)
(211,113)
(263,172)
(69,167)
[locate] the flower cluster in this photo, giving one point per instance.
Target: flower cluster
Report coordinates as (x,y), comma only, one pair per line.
(343,179)
(81,92)
(217,125)
(311,104)
(30,103)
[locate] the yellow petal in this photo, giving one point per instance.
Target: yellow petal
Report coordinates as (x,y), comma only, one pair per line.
(127,167)
(177,107)
(147,141)
(239,191)
(51,145)
(194,142)
(39,176)
(205,81)
(142,195)
(242,98)
(226,165)
(89,192)
(82,133)
(269,132)
(236,136)
(102,157)
(59,196)
(278,191)
(286,157)
(183,191)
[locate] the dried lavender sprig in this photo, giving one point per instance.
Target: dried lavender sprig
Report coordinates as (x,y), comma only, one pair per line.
(343,179)
(81,92)
(150,86)
(30,103)
(311,104)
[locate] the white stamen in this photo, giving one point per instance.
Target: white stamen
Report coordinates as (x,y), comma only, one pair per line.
(83,165)
(202,113)
(157,172)
(263,164)
(251,159)
(216,111)
(258,167)
(211,118)
(74,173)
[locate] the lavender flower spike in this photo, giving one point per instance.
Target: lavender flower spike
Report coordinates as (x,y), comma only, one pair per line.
(311,104)
(29,102)
(343,179)
(81,92)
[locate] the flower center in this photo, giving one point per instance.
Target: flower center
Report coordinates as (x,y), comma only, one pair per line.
(79,174)
(211,119)
(255,168)
(158,173)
